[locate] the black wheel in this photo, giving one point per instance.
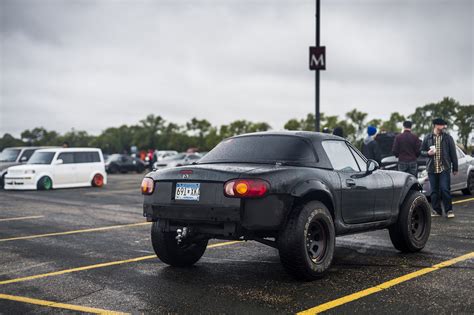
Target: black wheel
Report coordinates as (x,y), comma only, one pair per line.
(469,190)
(140,169)
(307,242)
(44,183)
(113,169)
(2,181)
(412,229)
(169,252)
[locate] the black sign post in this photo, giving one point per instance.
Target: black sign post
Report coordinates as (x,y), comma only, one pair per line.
(317,62)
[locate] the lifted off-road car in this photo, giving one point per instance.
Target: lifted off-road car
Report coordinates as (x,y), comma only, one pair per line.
(295,191)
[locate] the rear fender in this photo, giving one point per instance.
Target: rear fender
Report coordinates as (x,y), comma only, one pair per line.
(411,183)
(314,190)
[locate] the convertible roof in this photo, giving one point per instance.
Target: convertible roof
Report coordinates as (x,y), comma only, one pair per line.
(315,137)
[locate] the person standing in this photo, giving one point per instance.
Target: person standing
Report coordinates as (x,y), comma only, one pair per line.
(406,148)
(370,147)
(338,132)
(440,150)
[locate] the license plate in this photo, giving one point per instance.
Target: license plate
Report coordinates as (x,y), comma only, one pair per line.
(187,191)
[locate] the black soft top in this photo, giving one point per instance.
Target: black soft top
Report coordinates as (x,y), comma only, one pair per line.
(316,138)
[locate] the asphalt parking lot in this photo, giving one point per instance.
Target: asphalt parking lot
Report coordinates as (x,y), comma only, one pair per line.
(88,250)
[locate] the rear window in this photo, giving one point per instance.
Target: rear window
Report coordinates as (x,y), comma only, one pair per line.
(261,149)
(86,157)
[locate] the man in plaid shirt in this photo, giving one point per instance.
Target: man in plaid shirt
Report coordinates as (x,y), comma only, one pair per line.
(440,149)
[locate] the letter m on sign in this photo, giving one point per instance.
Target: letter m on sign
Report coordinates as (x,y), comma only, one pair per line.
(317,58)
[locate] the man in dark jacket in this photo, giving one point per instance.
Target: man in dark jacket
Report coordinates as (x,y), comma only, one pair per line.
(440,149)
(370,147)
(406,148)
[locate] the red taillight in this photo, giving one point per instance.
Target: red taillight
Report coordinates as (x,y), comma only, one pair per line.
(241,188)
(147,186)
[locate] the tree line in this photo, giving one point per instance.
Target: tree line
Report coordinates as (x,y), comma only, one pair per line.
(154,132)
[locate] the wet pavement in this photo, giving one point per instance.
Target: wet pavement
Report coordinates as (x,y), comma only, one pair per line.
(84,249)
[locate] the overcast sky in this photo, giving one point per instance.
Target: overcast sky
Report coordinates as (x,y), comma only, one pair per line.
(89,65)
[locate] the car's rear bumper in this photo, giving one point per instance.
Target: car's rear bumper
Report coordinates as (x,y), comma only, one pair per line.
(265,214)
(190,213)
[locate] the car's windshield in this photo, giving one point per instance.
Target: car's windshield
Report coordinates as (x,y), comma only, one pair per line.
(261,149)
(175,157)
(41,158)
(9,155)
(113,157)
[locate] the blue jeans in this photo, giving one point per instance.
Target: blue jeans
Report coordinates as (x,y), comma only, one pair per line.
(408,167)
(441,188)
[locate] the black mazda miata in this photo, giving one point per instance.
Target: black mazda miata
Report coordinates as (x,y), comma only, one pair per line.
(295,191)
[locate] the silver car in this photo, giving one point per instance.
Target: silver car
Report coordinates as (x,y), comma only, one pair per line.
(14,156)
(177,160)
(463,181)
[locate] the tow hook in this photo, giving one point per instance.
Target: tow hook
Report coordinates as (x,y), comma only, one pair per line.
(182,234)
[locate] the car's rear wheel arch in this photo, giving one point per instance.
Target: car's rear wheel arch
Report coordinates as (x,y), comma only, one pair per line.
(315,195)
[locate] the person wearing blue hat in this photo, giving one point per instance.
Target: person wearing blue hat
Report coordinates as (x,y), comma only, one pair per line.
(370,147)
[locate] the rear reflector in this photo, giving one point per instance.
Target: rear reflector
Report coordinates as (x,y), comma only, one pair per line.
(246,188)
(147,186)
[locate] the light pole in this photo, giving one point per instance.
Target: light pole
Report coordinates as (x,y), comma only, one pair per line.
(316,74)
(317,62)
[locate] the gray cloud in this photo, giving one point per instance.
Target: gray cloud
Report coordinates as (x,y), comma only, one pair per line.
(93,64)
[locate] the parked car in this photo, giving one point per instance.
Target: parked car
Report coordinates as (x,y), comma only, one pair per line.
(463,181)
(14,156)
(177,160)
(294,191)
(163,154)
(122,163)
(58,168)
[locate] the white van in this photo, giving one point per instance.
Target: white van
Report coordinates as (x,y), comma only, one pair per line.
(58,168)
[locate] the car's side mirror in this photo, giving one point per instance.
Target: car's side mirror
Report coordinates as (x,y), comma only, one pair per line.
(58,162)
(372,166)
(23,159)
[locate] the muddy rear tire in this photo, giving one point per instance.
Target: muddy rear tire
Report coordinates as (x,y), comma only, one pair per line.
(307,242)
(169,252)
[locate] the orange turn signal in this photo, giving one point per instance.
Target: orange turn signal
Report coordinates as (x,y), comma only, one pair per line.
(241,188)
(148,186)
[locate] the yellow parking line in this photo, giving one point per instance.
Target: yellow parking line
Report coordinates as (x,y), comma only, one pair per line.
(74,232)
(112,263)
(22,218)
(464,200)
(357,295)
(79,308)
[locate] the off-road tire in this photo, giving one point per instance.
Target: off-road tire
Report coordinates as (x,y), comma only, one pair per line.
(44,183)
(169,252)
(412,229)
(306,226)
(469,190)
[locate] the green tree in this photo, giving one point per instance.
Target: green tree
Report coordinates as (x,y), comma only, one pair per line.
(464,120)
(357,119)
(7,140)
(40,136)
(394,123)
(423,115)
(292,124)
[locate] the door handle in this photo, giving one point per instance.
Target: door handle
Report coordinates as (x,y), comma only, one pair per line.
(350,182)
